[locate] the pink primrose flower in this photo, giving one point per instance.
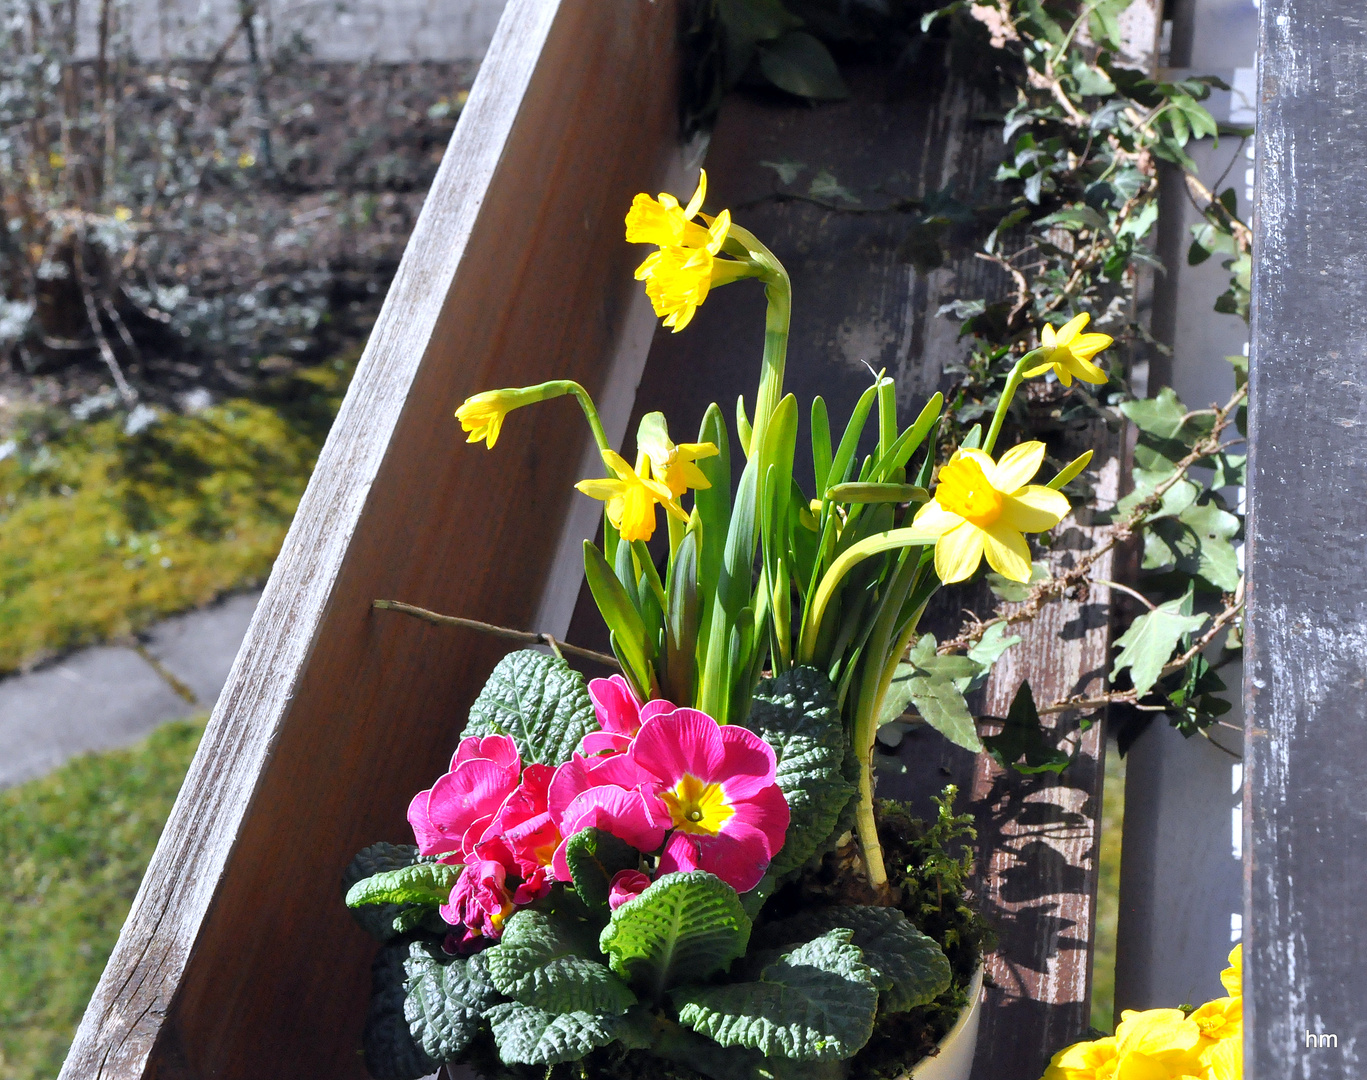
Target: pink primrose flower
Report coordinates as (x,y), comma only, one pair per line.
(620,715)
(479,901)
(626,885)
(450,818)
(524,824)
(727,815)
(604,793)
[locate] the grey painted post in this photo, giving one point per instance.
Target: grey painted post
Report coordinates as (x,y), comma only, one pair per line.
(1306,794)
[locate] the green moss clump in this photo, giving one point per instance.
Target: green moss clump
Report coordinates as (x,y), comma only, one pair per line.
(74,846)
(102,532)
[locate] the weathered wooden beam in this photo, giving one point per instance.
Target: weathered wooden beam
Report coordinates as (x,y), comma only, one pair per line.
(1305,802)
(238,959)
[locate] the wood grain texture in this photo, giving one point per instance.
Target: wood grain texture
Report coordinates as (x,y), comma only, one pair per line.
(238,959)
(1305,803)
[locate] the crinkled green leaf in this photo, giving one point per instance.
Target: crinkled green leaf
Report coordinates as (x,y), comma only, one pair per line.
(540,701)
(816,1003)
(447,996)
(595,857)
(378,920)
(909,968)
(391,1052)
(426,884)
(540,961)
(1023,744)
(683,928)
(1151,639)
(796,714)
(526,1035)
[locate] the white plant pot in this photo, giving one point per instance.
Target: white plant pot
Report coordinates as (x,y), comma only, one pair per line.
(953,1057)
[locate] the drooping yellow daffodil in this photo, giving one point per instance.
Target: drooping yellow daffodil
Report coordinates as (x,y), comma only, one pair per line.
(983,507)
(672,464)
(631,498)
(1232,978)
(1068,352)
(664,223)
(679,276)
(482,415)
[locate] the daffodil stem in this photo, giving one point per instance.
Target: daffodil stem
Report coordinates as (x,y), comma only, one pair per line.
(1013,382)
(778,290)
(590,412)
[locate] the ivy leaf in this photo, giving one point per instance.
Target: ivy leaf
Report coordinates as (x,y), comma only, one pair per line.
(427,884)
(1151,639)
(540,701)
(1196,542)
(539,962)
(391,1052)
(816,1003)
(991,645)
(797,715)
(682,928)
(800,64)
(1013,592)
(1022,736)
(595,857)
(1165,417)
(526,1035)
(909,968)
(447,996)
(929,682)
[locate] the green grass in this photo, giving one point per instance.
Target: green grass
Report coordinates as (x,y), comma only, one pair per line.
(73,848)
(1108,892)
(102,533)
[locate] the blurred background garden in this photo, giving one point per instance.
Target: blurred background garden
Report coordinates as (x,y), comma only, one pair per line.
(204,204)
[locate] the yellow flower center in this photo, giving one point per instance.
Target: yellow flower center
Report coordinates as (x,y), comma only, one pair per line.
(964,490)
(697,807)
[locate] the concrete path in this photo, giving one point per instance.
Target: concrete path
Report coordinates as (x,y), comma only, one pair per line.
(112,695)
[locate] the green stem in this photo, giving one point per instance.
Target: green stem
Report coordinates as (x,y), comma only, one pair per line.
(590,410)
(1013,382)
(778,290)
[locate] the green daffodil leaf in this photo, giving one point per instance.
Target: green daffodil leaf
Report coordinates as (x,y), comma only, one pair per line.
(540,701)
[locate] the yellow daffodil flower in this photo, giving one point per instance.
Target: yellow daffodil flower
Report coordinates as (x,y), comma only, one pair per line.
(983,507)
(664,223)
(1068,352)
(679,276)
(482,415)
(631,498)
(673,464)
(1232,978)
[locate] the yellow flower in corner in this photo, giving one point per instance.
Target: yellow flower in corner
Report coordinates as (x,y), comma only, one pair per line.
(983,507)
(1158,1044)
(1068,352)
(1222,1018)
(673,464)
(1232,978)
(631,498)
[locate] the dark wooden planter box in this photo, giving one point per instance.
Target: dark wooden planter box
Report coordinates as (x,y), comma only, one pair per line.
(238,959)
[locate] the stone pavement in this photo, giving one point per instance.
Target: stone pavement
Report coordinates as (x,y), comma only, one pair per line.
(112,695)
